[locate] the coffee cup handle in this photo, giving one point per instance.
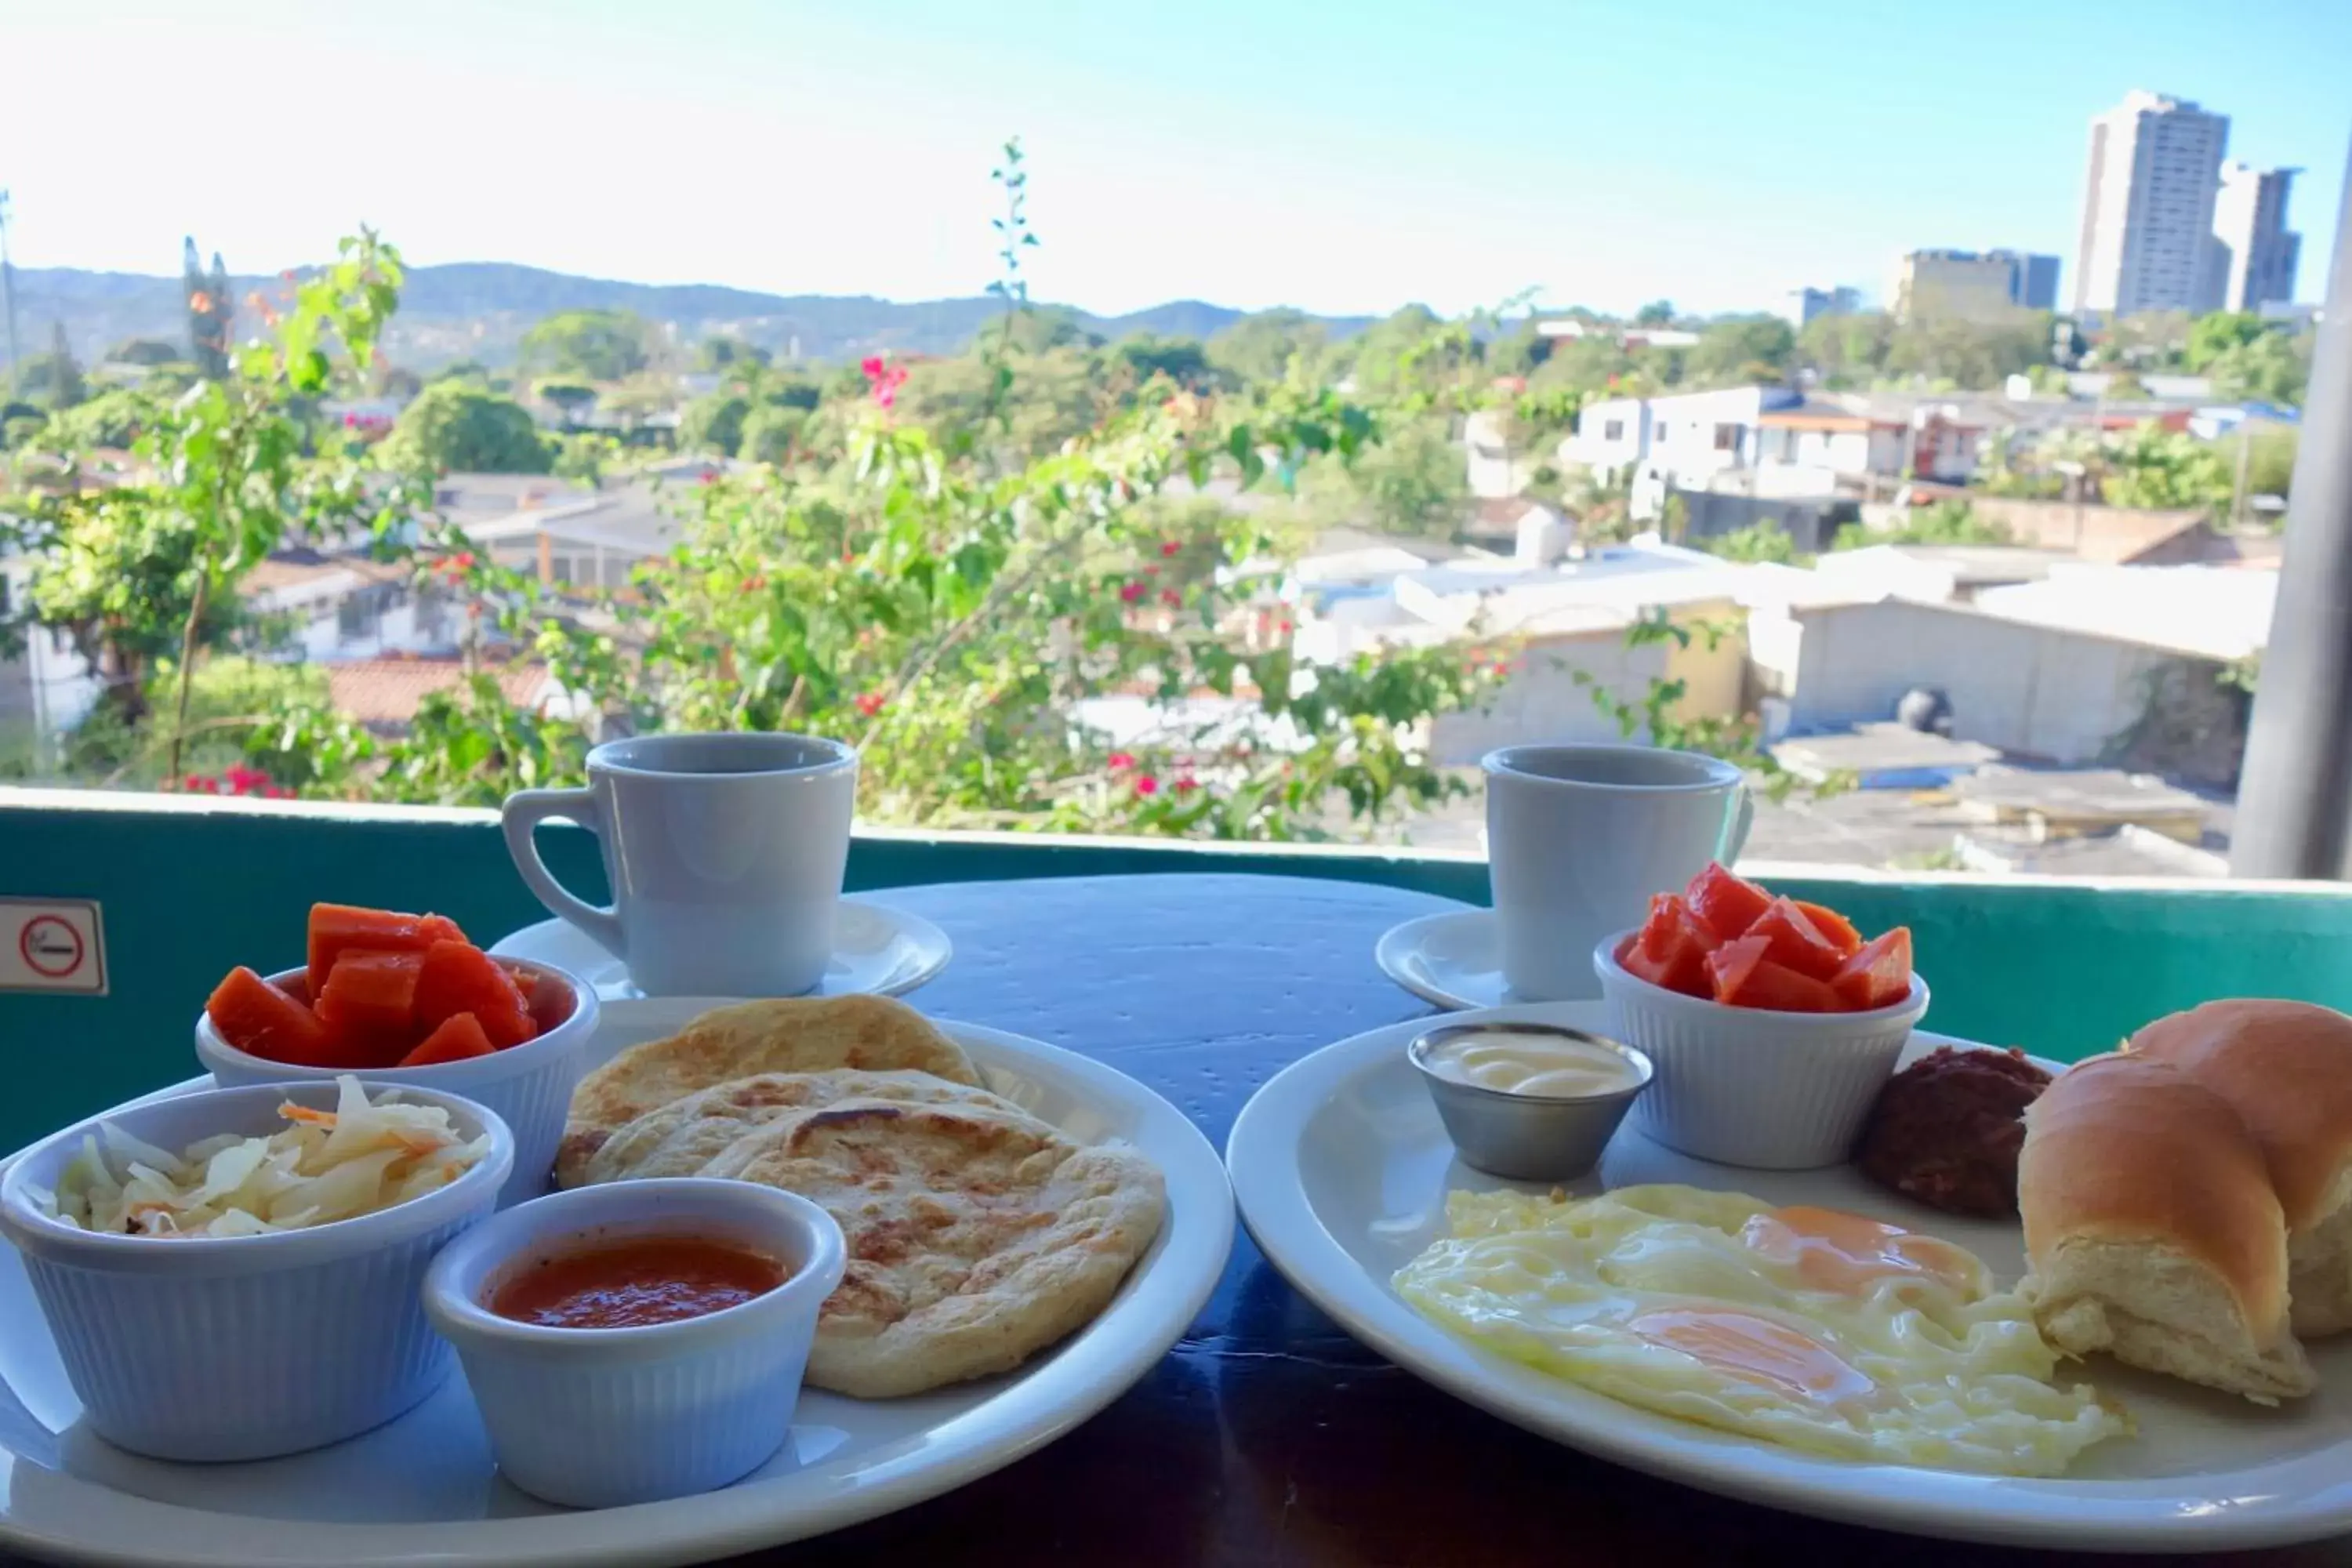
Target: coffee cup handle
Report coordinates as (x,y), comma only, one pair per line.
(524,810)
(1743,817)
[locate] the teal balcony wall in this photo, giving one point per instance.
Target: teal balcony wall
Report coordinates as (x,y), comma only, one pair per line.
(189,888)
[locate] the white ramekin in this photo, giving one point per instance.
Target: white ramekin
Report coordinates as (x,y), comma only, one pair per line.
(1742,1086)
(603,1418)
(251,1346)
(529,1085)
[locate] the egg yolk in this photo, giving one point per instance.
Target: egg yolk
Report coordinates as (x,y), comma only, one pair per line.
(1742,1345)
(1845,1253)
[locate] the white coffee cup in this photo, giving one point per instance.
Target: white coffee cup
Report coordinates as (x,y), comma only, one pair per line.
(1578,838)
(725,855)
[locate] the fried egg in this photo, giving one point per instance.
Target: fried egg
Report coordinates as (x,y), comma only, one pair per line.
(1822,1330)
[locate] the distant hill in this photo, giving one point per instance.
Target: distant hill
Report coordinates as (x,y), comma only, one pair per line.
(480,310)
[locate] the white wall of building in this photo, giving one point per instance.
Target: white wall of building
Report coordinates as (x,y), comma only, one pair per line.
(2039,690)
(1540,699)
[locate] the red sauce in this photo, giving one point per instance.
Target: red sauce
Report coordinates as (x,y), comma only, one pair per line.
(625,1284)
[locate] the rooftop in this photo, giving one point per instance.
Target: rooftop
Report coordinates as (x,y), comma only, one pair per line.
(384,693)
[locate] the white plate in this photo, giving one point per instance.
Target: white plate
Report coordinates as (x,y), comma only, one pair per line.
(875,950)
(1455,960)
(1341,1171)
(422,1490)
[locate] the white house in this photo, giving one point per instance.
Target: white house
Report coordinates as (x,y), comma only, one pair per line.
(1681,438)
(47,687)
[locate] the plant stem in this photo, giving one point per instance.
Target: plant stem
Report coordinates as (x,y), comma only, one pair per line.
(188,660)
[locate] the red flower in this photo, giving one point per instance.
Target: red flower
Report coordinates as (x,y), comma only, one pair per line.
(1120,761)
(708,478)
(1169,547)
(870,703)
(1146,784)
(1284,627)
(1186,784)
(872,366)
(1171,596)
(1131,593)
(755,583)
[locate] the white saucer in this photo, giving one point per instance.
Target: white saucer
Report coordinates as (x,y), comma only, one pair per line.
(1454,959)
(877,949)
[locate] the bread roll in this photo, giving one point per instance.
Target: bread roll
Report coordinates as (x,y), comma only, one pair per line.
(2287,1068)
(2152,1232)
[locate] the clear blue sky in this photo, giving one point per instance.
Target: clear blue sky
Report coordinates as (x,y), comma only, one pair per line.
(1348,155)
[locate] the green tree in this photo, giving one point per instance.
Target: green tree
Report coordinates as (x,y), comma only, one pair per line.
(65,376)
(719,353)
(111,419)
(1656,313)
(1183,361)
(2269,368)
(1413,482)
(456,428)
(394,381)
(2211,336)
(1944,522)
(1763,541)
(1846,349)
(211,313)
(2165,470)
(601,345)
(226,469)
(1975,355)
(1741,350)
(1262,347)
(150,351)
(771,432)
(713,423)
(582,457)
(570,397)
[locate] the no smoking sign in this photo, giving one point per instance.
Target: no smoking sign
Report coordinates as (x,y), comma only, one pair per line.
(52,944)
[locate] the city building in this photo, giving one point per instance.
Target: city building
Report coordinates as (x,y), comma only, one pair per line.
(1799,306)
(2253,259)
(1973,286)
(2147,205)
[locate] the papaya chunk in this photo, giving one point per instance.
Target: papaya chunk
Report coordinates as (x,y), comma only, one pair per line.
(458,977)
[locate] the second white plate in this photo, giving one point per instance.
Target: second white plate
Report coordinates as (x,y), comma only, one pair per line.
(875,950)
(1341,1169)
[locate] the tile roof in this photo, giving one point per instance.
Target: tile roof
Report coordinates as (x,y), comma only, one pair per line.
(384,693)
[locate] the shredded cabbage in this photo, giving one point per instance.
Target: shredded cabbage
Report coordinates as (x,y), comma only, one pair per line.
(325,1166)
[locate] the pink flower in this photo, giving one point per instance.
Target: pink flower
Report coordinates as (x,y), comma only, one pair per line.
(1284,627)
(1146,784)
(870,703)
(1169,547)
(1171,596)
(1186,784)
(872,366)
(1131,593)
(711,478)
(1121,760)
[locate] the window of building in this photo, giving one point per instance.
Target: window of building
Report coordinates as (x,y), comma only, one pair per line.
(1662,428)
(1610,430)
(1727,437)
